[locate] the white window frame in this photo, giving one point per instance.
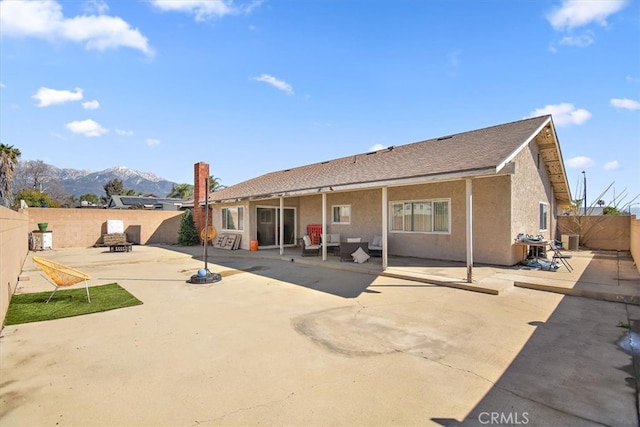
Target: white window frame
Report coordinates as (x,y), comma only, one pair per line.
(543,218)
(239,214)
(333,221)
(403,204)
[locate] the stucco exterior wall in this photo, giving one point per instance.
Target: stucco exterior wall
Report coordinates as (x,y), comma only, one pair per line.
(492,239)
(450,246)
(85,227)
(530,187)
(366,214)
(14,247)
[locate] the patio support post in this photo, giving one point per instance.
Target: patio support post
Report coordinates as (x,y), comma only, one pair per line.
(469,214)
(281,226)
(384,229)
(324,225)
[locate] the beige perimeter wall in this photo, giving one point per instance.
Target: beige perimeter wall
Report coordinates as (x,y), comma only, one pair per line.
(14,248)
(606,232)
(85,227)
(635,240)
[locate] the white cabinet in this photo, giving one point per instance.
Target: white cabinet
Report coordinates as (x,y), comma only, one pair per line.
(42,240)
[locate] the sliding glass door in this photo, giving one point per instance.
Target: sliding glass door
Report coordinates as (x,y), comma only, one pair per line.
(268,226)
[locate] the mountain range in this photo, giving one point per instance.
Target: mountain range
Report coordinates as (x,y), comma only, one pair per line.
(79,182)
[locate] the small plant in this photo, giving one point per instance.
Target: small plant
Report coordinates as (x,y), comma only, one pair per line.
(624,325)
(187,234)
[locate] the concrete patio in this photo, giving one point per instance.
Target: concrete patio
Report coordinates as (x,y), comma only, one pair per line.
(314,342)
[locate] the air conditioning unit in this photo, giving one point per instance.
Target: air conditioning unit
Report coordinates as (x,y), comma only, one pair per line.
(570,242)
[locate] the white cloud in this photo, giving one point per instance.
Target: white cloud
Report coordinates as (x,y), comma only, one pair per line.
(2,85)
(123,132)
(631,79)
(627,104)
(564,114)
(578,13)
(580,162)
(205,9)
(583,40)
(96,6)
(86,128)
(278,84)
(612,165)
(376,147)
(45,20)
(47,96)
(91,105)
(152,142)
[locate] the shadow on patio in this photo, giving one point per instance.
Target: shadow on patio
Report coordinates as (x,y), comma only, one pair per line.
(562,375)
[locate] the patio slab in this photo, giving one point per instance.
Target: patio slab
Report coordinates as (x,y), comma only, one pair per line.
(607,275)
(296,343)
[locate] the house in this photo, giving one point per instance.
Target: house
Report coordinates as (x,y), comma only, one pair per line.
(144,202)
(461,197)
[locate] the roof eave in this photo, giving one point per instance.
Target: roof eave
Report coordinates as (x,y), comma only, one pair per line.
(415,180)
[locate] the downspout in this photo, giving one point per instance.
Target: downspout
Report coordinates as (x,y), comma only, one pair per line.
(281,226)
(385,212)
(469,214)
(324,226)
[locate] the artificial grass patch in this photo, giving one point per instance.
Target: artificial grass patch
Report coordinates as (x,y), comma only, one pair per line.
(27,308)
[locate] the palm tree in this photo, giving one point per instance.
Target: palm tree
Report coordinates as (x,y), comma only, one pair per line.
(215,184)
(181,191)
(8,159)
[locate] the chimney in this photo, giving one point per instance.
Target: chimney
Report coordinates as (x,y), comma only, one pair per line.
(200,178)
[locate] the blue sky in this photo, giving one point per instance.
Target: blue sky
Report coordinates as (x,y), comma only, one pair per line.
(256,86)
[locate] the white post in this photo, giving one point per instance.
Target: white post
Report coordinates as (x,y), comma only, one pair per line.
(385,222)
(281,226)
(324,226)
(469,194)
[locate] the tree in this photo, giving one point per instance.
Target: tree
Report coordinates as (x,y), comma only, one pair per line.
(36,198)
(33,174)
(113,187)
(187,234)
(610,210)
(215,184)
(8,159)
(181,191)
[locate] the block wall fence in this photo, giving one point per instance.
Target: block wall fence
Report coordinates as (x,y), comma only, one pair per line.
(85,227)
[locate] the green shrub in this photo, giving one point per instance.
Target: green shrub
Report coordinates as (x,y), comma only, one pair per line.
(187,234)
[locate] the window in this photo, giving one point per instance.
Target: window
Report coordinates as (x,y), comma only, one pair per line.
(266,216)
(544,209)
(341,214)
(233,218)
(427,216)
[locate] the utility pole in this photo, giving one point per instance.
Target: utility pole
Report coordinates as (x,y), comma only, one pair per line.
(585,192)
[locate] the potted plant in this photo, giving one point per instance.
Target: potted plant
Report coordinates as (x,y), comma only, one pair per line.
(42,226)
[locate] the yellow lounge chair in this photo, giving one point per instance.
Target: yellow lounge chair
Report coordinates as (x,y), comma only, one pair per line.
(61,275)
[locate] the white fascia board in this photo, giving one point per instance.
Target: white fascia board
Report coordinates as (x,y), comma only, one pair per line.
(511,156)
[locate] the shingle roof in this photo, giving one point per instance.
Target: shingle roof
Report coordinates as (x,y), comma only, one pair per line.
(470,152)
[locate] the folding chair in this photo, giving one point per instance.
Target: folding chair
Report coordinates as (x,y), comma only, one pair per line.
(61,275)
(559,256)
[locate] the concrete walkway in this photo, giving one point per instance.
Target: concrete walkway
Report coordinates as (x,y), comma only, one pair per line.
(296,343)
